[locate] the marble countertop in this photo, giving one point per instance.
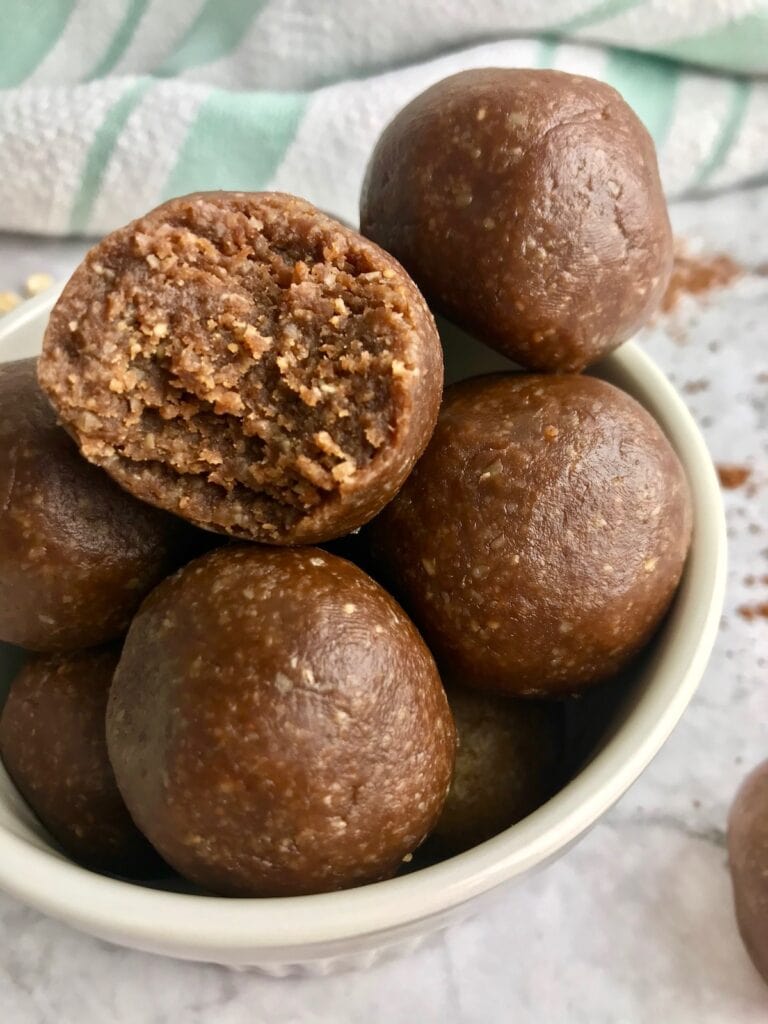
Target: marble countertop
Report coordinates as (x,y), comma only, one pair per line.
(634,924)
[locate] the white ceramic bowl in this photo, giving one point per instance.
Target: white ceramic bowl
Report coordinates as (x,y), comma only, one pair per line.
(316,934)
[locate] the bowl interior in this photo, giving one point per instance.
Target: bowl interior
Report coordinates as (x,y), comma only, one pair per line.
(615,731)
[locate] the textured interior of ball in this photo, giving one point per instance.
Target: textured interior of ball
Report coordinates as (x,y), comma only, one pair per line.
(251,365)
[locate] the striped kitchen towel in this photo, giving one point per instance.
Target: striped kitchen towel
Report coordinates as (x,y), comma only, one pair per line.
(109,106)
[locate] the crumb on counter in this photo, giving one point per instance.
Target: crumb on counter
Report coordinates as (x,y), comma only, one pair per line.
(37,283)
(34,285)
(8,301)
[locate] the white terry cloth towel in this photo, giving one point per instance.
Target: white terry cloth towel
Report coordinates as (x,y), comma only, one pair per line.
(107,107)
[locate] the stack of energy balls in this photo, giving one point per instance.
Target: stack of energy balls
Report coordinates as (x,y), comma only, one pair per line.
(236,378)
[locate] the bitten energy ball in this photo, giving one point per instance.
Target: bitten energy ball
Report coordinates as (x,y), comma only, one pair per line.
(277,725)
(542,535)
(748,858)
(77,554)
(509,761)
(527,206)
(246,362)
(53,746)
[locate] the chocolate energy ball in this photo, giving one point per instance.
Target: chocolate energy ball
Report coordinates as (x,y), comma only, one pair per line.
(748,858)
(541,537)
(509,761)
(277,725)
(77,554)
(53,746)
(527,206)
(245,361)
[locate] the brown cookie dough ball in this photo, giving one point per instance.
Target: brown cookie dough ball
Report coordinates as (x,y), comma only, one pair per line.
(748,859)
(247,362)
(527,206)
(77,554)
(509,761)
(53,746)
(541,537)
(277,725)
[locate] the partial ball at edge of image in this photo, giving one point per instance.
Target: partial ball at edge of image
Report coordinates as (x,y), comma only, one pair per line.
(53,745)
(748,862)
(77,553)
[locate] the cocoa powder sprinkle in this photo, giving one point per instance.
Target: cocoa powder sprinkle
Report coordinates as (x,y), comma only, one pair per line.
(732,477)
(698,275)
(749,612)
(693,387)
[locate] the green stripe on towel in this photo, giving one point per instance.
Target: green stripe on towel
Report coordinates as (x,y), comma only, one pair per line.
(101,149)
(120,40)
(545,56)
(649,86)
(741,46)
(237,141)
(729,131)
(29,32)
(217,30)
(596,14)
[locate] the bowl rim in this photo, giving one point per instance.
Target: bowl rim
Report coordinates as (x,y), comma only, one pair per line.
(134,914)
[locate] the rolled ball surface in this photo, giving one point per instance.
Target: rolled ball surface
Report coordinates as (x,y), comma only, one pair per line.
(77,554)
(245,361)
(748,860)
(509,761)
(277,726)
(527,206)
(53,745)
(541,537)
